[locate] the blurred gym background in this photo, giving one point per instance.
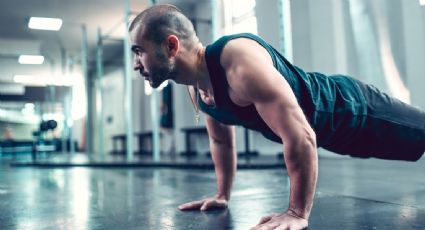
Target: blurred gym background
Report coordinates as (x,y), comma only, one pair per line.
(108,144)
(79,75)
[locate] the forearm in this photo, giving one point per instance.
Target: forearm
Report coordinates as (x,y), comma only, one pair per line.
(302,165)
(224,157)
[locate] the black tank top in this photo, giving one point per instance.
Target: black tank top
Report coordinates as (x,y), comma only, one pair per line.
(333,105)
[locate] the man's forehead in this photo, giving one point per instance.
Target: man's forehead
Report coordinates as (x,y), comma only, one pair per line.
(140,43)
(135,32)
(137,37)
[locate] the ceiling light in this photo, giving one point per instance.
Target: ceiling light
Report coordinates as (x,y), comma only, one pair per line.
(31,59)
(26,79)
(70,80)
(38,23)
(422,2)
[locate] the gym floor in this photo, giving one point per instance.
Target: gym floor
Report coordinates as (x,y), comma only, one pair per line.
(351,194)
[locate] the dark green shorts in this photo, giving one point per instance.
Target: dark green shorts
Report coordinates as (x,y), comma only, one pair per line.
(390,130)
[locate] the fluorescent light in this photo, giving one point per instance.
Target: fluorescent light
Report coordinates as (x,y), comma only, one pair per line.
(38,23)
(26,79)
(422,2)
(70,80)
(31,59)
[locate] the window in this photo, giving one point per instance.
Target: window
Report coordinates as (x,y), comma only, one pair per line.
(240,16)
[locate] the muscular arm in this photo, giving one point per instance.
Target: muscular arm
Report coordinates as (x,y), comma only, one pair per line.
(253,80)
(223,153)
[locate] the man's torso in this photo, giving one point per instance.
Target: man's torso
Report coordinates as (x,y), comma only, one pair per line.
(333,105)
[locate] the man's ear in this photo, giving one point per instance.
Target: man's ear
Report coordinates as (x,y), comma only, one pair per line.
(173,45)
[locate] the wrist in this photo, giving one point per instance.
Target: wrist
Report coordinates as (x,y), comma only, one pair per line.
(297,214)
(222,196)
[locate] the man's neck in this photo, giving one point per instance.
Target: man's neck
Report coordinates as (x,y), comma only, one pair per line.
(203,74)
(195,71)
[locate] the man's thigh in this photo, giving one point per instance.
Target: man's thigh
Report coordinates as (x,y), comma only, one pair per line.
(392,130)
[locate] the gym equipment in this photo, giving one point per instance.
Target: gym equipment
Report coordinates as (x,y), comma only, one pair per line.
(38,144)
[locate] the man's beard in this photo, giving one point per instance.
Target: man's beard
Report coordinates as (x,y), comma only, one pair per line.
(163,71)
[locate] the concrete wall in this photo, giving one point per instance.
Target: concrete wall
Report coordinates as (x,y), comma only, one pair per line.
(413,29)
(319,36)
(267,13)
(113,107)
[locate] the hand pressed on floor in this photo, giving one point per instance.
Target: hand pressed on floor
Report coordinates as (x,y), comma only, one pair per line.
(215,202)
(284,221)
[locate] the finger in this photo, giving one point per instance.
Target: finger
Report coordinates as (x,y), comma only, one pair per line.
(213,204)
(260,226)
(290,227)
(206,205)
(271,226)
(191,205)
(256,227)
(265,219)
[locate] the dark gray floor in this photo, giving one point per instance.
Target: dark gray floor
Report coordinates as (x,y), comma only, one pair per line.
(352,194)
(200,161)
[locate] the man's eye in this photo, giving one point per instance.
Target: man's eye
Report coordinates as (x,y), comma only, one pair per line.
(137,51)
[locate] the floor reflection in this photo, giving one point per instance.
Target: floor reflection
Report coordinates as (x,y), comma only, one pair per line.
(352,194)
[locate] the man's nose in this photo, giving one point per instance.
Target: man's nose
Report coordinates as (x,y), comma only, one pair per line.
(137,65)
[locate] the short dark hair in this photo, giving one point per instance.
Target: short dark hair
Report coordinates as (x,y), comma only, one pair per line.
(159,21)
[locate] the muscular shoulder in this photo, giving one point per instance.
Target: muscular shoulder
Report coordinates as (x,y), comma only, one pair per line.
(241,50)
(248,66)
